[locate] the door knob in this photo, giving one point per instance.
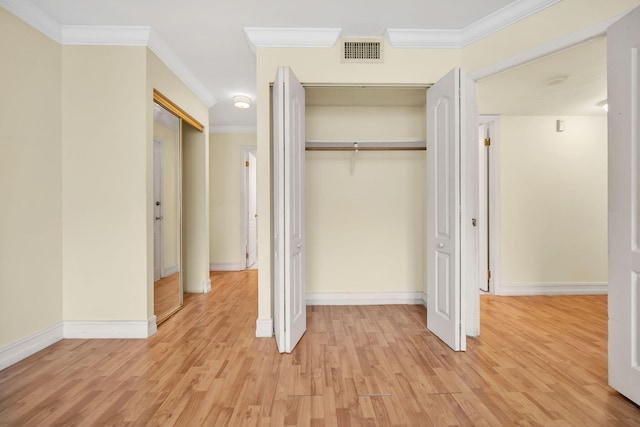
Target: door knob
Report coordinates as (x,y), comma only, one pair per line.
(441,245)
(157,203)
(158,218)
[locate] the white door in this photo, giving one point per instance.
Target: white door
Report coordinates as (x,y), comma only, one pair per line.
(623,84)
(451,235)
(252,212)
(289,317)
(158,239)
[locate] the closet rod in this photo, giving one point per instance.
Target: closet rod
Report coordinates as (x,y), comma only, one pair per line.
(376,145)
(366,148)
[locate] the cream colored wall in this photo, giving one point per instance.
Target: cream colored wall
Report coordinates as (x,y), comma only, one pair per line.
(105,214)
(365,232)
(30,181)
(322,65)
(553,199)
(170,180)
(226,184)
(562,19)
(195,192)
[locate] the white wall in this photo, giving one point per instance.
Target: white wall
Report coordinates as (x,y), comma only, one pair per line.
(30,181)
(226,184)
(553,200)
(365,232)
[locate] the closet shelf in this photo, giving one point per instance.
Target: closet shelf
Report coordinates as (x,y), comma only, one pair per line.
(386,145)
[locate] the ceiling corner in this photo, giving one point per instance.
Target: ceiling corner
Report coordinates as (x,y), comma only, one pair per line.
(266,37)
(418,38)
(103,35)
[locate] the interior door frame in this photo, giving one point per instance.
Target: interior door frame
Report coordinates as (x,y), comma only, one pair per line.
(492,181)
(244,209)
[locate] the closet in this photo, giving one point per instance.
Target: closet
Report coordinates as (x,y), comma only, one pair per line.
(365,192)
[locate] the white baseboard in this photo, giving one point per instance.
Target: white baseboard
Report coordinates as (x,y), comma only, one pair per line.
(365,298)
(264,328)
(170,270)
(21,349)
(206,286)
(522,289)
(226,266)
(107,329)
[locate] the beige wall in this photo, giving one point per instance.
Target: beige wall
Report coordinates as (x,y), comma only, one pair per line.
(30,181)
(365,232)
(226,195)
(104,180)
(553,199)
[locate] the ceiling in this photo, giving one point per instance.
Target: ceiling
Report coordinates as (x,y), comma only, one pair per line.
(208,35)
(570,82)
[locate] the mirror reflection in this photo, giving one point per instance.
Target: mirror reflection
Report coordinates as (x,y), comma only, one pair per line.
(167,222)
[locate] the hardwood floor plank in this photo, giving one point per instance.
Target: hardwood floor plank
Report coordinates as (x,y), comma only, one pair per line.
(538,361)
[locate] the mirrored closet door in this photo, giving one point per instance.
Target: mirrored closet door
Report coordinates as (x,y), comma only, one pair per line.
(167,235)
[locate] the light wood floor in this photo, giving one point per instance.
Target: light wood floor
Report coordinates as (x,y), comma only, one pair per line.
(539,361)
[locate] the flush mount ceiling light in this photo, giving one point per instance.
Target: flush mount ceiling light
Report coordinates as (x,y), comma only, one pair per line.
(604,105)
(240,101)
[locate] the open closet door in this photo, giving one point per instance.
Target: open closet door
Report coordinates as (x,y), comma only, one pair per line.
(623,78)
(451,131)
(290,309)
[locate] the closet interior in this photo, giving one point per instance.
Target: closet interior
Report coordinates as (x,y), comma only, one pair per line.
(365,189)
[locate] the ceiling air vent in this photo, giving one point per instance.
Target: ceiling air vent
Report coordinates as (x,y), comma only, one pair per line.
(362,50)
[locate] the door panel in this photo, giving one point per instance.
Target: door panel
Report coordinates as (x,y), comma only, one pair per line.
(623,85)
(289,210)
(295,297)
(277,191)
(452,210)
(443,210)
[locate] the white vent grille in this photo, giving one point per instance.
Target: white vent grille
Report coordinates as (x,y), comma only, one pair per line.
(362,50)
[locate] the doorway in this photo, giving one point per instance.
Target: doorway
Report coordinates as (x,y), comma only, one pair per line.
(249,233)
(488,196)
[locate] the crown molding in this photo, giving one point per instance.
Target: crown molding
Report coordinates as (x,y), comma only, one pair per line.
(455,39)
(85,35)
(503,17)
(233,129)
(35,17)
(291,37)
(158,46)
(101,35)
(424,39)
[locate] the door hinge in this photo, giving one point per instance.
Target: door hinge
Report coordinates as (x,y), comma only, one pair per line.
(489,274)
(246,255)
(246,164)
(487,142)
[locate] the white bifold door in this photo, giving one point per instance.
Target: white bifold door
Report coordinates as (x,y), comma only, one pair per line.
(623,86)
(290,308)
(452,285)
